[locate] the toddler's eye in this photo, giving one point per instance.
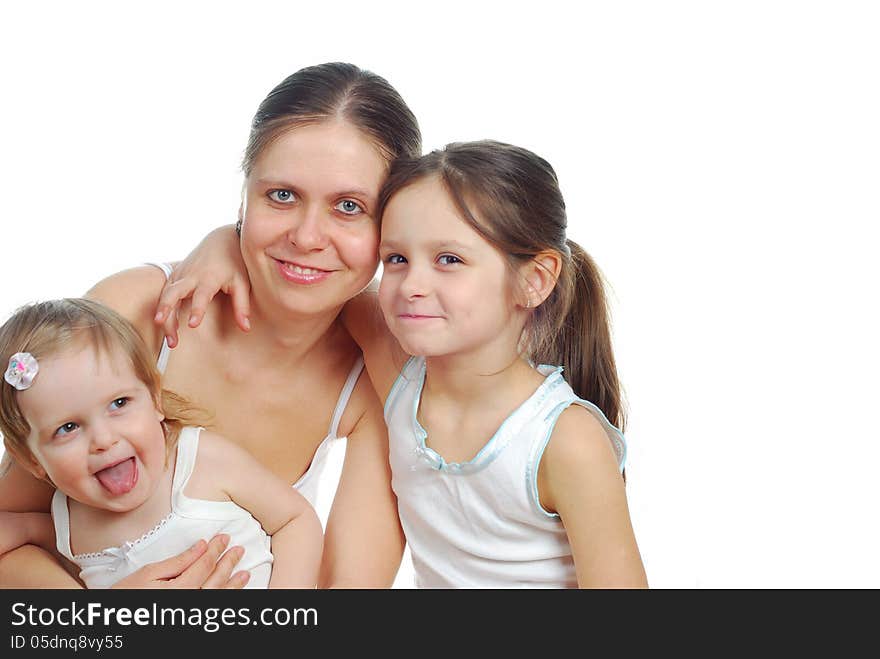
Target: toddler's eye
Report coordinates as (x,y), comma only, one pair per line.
(448,259)
(119,402)
(282,196)
(395,259)
(349,207)
(66,428)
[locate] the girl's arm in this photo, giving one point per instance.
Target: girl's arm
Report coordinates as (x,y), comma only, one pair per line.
(579,478)
(383,355)
(364,541)
(281,510)
(214,265)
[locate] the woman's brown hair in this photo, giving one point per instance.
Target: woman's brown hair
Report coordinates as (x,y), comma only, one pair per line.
(336,90)
(511,197)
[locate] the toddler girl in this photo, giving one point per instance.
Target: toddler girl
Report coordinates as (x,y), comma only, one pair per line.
(81,407)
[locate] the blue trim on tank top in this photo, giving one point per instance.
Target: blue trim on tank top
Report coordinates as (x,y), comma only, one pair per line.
(615,437)
(491,449)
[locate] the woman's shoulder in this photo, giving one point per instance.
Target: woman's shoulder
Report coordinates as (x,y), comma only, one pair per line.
(133,293)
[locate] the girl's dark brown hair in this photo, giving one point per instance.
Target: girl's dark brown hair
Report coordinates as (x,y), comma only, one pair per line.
(511,197)
(336,90)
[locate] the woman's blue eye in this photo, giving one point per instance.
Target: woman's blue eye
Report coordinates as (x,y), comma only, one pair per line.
(395,259)
(349,207)
(66,428)
(282,196)
(448,259)
(119,402)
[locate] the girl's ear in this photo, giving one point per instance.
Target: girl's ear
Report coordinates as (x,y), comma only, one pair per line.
(539,275)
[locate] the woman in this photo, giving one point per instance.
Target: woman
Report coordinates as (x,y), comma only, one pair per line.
(319,149)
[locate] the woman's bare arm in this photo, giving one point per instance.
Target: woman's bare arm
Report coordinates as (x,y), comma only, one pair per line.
(383,355)
(215,265)
(363,541)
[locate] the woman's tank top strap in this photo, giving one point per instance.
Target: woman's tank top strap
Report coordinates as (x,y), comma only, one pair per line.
(164,267)
(187,450)
(165,351)
(344,395)
(61,521)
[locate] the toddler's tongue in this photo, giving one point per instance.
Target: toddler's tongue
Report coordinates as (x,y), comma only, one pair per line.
(120,478)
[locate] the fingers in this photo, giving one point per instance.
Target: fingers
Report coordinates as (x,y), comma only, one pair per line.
(201,299)
(220,577)
(172,295)
(163,571)
(241,302)
(238,580)
(199,571)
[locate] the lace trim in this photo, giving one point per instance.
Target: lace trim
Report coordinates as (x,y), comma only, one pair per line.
(126,546)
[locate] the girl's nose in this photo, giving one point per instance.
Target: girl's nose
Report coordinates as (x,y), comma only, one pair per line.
(102,436)
(415,283)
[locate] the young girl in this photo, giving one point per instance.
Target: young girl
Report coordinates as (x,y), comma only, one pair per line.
(506,467)
(506,461)
(81,407)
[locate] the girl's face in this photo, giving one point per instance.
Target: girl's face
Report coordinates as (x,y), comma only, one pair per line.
(95,430)
(309,237)
(445,290)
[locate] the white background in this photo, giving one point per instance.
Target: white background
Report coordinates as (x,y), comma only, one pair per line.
(719,160)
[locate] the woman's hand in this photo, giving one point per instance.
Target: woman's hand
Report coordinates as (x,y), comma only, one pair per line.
(197,567)
(214,265)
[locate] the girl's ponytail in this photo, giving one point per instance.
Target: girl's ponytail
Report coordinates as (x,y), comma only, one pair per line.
(571,329)
(583,341)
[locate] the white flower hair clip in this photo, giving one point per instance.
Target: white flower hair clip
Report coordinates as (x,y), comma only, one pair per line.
(22,370)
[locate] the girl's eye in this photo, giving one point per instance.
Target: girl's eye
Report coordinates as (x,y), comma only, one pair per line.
(119,402)
(395,259)
(282,196)
(349,207)
(66,429)
(448,259)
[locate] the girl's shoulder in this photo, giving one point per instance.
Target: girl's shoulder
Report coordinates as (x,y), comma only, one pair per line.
(580,437)
(579,449)
(213,464)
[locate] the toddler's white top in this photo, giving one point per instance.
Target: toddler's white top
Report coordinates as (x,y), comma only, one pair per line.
(479,524)
(189,521)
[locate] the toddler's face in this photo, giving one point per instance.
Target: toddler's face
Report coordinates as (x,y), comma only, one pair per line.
(445,290)
(95,430)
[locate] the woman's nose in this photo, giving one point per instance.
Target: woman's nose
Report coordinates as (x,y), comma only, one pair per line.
(309,231)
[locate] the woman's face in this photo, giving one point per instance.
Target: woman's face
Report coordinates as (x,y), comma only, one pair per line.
(309,237)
